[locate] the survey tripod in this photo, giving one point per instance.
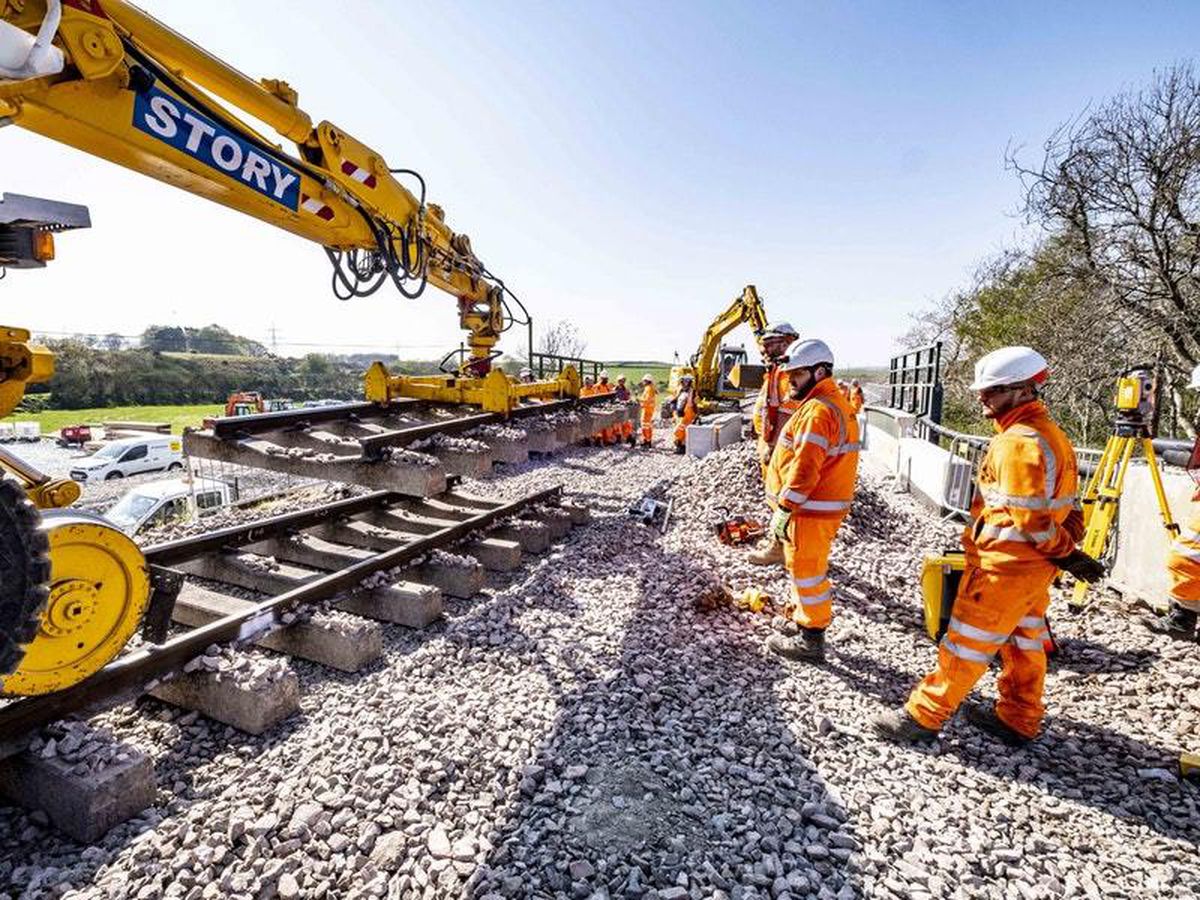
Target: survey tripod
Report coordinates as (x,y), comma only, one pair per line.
(1135,424)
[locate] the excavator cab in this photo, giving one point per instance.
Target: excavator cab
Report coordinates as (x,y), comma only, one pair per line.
(728,359)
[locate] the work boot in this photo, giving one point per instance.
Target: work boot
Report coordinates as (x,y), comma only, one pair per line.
(768,555)
(680,448)
(1179,623)
(630,441)
(807,646)
(646,444)
(984,717)
(897,725)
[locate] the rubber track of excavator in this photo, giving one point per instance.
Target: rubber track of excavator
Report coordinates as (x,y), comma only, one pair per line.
(24,573)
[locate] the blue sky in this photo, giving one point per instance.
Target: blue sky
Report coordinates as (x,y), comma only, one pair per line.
(625,166)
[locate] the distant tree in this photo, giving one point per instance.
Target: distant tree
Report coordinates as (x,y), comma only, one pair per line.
(562,338)
(113,341)
(165,338)
(1121,188)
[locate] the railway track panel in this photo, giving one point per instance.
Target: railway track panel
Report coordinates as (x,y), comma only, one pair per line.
(407,446)
(319,583)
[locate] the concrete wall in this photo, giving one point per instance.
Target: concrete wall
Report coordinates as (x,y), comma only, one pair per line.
(1142,542)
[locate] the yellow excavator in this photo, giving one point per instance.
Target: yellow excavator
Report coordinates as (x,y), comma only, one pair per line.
(107,78)
(722,374)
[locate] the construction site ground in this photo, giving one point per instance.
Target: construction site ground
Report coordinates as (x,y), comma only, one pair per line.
(598,725)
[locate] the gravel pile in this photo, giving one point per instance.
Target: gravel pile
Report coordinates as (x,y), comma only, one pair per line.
(79,747)
(251,668)
(585,730)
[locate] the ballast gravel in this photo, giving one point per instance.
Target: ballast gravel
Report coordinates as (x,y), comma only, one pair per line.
(587,728)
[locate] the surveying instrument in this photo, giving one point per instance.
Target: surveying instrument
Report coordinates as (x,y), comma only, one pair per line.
(1135,424)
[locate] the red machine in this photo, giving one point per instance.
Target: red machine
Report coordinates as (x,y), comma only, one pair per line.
(74,435)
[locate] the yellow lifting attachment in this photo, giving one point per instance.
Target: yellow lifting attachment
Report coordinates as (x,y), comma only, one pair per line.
(1134,426)
(123,86)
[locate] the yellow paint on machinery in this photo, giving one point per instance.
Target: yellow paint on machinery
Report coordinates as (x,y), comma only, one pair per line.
(138,94)
(99,588)
(712,365)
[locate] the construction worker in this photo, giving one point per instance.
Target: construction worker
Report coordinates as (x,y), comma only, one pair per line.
(1183,565)
(625,429)
(683,411)
(526,375)
(1024,527)
(857,399)
(810,482)
(772,409)
(611,434)
(649,401)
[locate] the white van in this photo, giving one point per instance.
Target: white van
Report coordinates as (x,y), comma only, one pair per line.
(160,502)
(131,456)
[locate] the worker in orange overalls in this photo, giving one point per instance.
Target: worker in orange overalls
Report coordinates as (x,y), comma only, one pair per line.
(810,482)
(606,435)
(773,407)
(1025,524)
(649,401)
(588,390)
(683,408)
(625,429)
(1183,564)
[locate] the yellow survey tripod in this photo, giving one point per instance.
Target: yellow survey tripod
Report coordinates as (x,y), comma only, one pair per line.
(1136,423)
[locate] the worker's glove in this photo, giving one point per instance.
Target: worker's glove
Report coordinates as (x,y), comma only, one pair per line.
(779,524)
(1082,566)
(764,453)
(1073,525)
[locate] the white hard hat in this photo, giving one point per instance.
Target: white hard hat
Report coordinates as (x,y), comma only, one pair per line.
(685,378)
(604,373)
(1195,382)
(647,377)
(806,353)
(1009,365)
(780,329)
(526,371)
(620,378)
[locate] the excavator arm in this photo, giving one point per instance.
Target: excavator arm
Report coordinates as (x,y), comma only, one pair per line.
(748,308)
(705,365)
(119,84)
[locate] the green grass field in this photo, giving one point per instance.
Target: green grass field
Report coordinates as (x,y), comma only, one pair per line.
(54,419)
(633,372)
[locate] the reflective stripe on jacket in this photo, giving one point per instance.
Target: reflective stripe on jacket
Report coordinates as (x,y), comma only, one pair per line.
(773,407)
(815,462)
(1028,484)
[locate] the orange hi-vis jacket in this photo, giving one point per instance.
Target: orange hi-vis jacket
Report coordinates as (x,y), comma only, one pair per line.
(1183,563)
(649,401)
(815,462)
(1028,484)
(773,407)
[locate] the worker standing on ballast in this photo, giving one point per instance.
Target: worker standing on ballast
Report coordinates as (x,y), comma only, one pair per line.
(773,407)
(683,411)
(625,429)
(649,401)
(1024,526)
(810,483)
(606,435)
(1183,565)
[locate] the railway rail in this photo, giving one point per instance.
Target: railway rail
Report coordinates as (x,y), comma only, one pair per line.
(407,446)
(301,560)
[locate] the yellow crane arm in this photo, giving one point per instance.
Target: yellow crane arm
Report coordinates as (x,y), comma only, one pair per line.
(748,308)
(131,90)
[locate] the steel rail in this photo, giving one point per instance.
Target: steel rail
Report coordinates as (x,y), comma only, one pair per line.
(259,423)
(374,443)
(128,676)
(170,553)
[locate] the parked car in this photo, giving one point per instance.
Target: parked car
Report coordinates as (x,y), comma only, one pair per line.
(131,456)
(160,502)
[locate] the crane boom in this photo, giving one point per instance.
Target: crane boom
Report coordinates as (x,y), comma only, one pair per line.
(133,91)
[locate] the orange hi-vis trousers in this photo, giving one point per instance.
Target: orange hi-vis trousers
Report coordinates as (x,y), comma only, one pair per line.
(1183,564)
(806,557)
(994,613)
